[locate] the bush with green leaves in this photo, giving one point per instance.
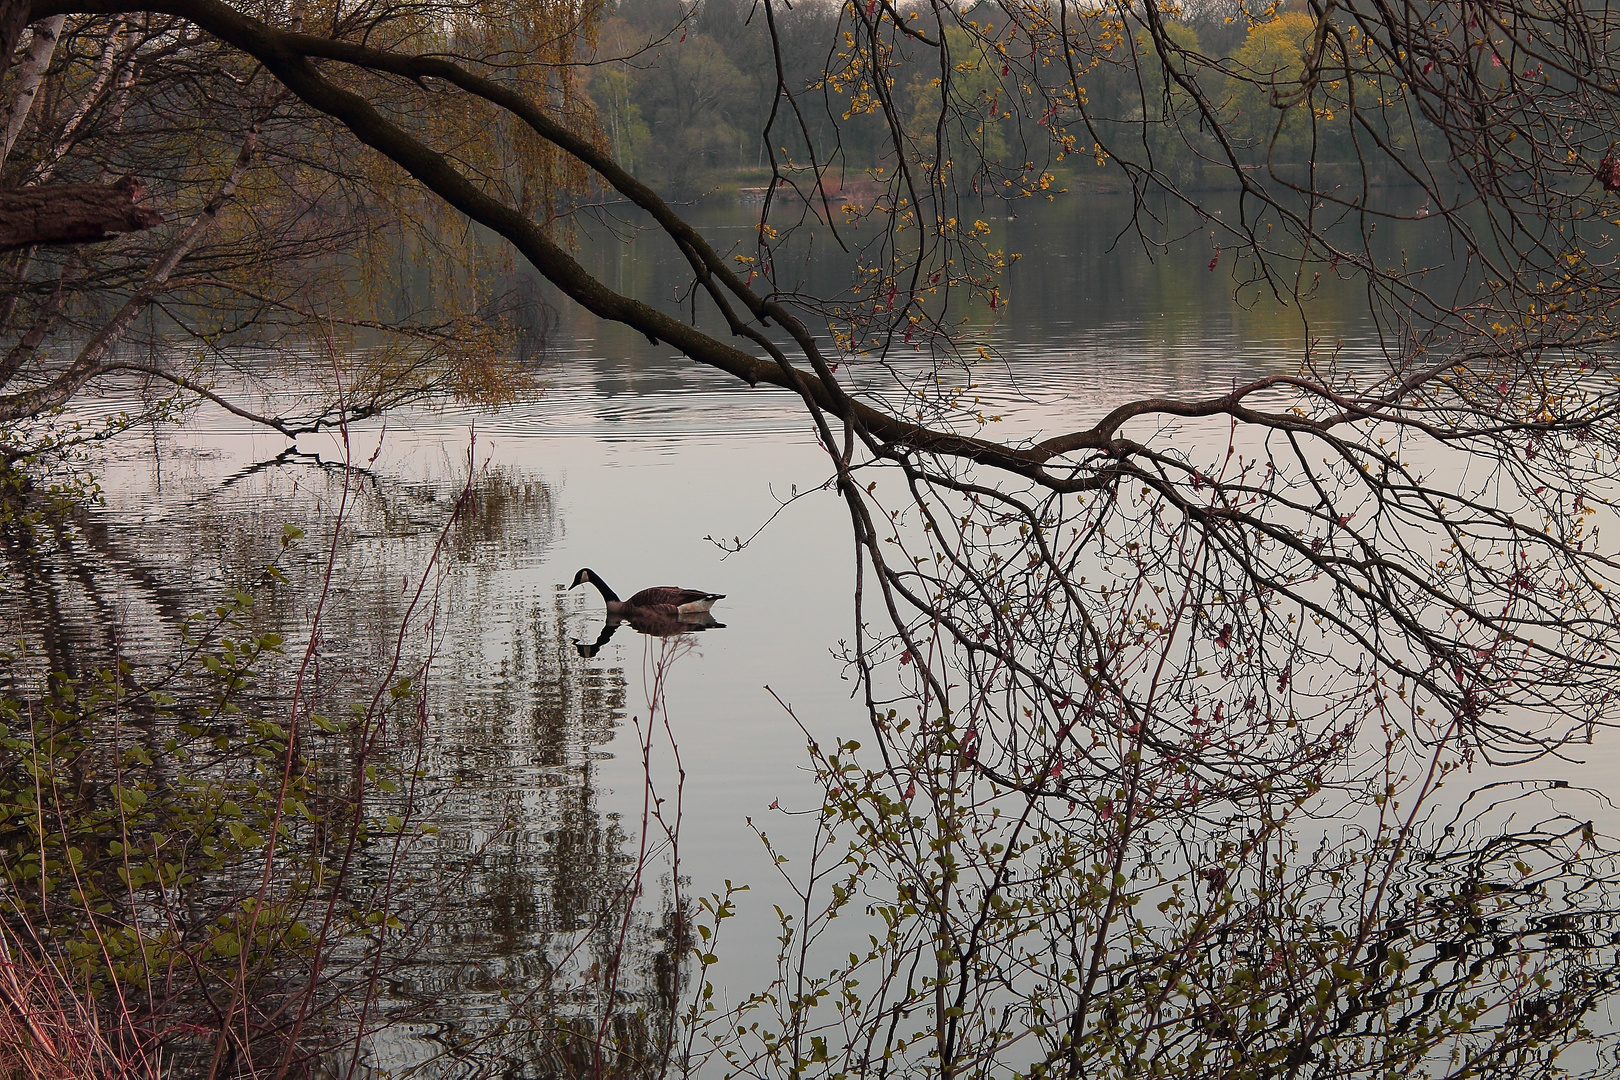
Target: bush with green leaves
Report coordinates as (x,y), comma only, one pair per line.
(173,843)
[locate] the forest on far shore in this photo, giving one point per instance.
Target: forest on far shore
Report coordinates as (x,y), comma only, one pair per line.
(684,92)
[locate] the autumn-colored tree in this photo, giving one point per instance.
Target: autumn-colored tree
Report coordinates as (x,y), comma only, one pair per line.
(1271,60)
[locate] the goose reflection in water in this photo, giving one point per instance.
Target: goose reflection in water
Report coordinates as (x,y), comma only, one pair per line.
(662,621)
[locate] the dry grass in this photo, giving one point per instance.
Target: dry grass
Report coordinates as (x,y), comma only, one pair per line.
(48,1030)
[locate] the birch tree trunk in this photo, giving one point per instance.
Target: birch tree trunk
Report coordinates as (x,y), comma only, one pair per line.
(29,77)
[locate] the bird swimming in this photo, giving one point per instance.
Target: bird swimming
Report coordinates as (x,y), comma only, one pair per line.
(683,601)
(661,611)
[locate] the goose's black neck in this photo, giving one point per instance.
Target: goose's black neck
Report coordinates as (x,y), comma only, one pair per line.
(602,587)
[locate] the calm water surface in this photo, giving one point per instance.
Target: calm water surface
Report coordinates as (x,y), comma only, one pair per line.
(628,462)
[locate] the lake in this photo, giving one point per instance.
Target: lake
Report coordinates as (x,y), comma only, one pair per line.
(532,761)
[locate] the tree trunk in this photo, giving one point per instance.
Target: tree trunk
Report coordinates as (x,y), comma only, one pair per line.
(14,16)
(30,75)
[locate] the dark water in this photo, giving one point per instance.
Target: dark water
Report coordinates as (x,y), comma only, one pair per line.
(629,461)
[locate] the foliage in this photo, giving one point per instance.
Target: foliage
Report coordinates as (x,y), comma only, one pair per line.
(1113,916)
(972,105)
(1272,59)
(79,847)
(272,235)
(174,857)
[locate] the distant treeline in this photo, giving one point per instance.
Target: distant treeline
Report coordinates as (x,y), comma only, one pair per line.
(688,102)
(685,93)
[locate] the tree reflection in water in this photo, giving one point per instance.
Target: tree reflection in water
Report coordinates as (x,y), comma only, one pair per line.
(540,910)
(461,902)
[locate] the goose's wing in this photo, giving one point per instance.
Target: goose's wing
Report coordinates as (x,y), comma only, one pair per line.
(672,596)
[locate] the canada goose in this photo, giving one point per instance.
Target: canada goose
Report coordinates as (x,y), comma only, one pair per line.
(682,601)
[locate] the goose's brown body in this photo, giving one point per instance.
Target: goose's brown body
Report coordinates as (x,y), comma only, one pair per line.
(684,600)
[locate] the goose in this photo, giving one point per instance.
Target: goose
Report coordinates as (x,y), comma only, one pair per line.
(683,601)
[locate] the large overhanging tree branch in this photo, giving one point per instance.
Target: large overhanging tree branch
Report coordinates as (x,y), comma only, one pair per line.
(289,56)
(1520,398)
